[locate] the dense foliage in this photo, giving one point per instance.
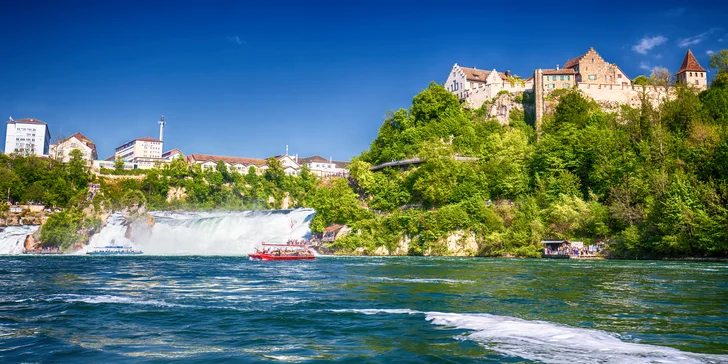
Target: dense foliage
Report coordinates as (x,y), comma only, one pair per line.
(651,180)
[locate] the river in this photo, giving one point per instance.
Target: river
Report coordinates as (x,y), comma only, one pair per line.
(361,309)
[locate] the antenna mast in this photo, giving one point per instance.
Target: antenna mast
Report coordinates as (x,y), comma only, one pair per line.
(161,128)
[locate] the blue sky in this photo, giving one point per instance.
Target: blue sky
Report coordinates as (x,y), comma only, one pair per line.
(246,78)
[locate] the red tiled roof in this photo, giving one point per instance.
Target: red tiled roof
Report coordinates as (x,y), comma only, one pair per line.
(690,64)
(170,152)
(472,74)
(314,159)
(225,159)
(82,138)
(333,228)
(148,139)
(568,71)
(320,159)
(574,61)
(27,121)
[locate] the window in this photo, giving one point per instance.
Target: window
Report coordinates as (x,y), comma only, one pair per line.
(697,82)
(592,77)
(471,85)
(599,68)
(553,78)
(566,85)
(592,60)
(619,75)
(561,78)
(568,77)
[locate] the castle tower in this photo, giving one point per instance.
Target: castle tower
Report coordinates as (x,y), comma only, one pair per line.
(691,73)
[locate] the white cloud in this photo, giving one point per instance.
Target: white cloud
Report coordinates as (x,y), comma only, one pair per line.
(697,39)
(646,43)
(687,42)
(235,39)
(710,52)
(645,66)
(658,56)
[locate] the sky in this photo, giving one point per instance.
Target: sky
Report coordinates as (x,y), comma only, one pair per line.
(246,79)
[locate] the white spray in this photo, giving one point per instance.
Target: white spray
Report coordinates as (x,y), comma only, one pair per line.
(206,233)
(12,238)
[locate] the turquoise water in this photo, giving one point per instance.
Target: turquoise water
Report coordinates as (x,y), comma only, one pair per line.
(352,310)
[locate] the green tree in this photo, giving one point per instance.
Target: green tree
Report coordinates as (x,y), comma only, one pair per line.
(119,165)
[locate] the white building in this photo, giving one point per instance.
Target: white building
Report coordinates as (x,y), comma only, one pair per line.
(241,165)
(170,155)
(474,86)
(323,167)
(289,164)
(144,152)
(27,136)
(62,150)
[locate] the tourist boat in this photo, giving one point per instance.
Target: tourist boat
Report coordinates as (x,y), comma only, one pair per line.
(291,250)
(114,250)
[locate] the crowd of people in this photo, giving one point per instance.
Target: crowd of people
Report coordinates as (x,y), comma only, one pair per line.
(284,252)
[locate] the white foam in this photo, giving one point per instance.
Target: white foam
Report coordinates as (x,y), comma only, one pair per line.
(207,233)
(552,343)
(12,238)
(70,298)
(374,311)
(423,280)
(548,342)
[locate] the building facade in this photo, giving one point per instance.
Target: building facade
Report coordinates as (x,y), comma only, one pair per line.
(170,155)
(558,78)
(691,73)
(27,137)
(591,68)
(241,165)
(62,150)
(144,152)
(473,86)
(323,167)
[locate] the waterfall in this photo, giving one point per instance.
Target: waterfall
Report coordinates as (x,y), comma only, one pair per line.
(205,233)
(12,238)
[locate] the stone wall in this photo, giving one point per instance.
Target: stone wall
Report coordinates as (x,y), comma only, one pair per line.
(611,96)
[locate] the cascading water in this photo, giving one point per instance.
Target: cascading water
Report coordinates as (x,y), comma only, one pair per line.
(206,233)
(12,238)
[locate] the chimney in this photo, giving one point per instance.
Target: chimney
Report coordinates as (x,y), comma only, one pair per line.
(330,159)
(557,67)
(475,68)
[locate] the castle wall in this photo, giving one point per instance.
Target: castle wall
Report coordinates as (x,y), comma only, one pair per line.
(627,95)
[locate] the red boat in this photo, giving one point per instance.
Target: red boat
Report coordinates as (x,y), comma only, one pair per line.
(292,250)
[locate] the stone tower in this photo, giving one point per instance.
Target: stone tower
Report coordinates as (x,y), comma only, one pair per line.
(692,73)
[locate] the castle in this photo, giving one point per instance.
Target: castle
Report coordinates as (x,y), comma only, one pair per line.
(605,82)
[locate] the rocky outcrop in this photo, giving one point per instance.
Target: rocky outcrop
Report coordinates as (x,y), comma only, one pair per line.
(382,250)
(501,108)
(32,241)
(176,193)
(403,246)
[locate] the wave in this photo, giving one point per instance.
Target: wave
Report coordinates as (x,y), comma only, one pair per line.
(101,299)
(423,280)
(549,342)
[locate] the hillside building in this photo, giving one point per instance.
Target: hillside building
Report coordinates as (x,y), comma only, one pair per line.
(323,167)
(474,86)
(691,73)
(591,68)
(62,150)
(241,165)
(143,152)
(27,137)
